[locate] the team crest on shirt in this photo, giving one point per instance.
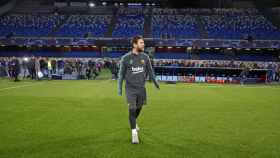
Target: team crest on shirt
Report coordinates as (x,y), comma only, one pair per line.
(142,61)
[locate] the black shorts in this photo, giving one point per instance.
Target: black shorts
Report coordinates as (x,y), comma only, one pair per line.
(136,97)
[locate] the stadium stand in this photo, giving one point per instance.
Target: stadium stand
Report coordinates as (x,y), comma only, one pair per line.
(80,25)
(28,24)
(165,23)
(239,24)
(130,22)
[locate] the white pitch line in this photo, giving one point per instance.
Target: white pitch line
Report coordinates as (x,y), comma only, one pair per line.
(27,85)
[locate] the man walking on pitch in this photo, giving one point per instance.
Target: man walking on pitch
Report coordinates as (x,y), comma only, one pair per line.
(134,68)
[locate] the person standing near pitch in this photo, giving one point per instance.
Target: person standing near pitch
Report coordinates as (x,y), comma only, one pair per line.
(134,68)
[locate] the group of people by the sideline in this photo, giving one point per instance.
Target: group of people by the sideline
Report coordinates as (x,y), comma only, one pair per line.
(37,68)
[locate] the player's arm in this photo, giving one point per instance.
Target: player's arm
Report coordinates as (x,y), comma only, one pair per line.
(151,73)
(121,75)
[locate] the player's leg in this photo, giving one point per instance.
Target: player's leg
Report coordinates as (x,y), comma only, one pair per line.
(140,101)
(131,99)
(138,110)
(132,118)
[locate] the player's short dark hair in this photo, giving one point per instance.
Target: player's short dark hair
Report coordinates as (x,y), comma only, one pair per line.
(135,39)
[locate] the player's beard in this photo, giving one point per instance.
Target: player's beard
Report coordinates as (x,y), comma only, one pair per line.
(140,49)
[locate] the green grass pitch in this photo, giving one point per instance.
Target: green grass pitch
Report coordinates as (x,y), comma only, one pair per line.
(87,119)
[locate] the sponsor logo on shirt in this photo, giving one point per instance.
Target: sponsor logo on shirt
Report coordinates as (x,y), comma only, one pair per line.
(136,70)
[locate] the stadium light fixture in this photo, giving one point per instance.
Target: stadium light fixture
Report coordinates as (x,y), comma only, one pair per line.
(229,48)
(91,4)
(25,59)
(104,3)
(134,4)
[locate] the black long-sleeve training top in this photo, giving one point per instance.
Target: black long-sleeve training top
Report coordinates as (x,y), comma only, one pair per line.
(134,69)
